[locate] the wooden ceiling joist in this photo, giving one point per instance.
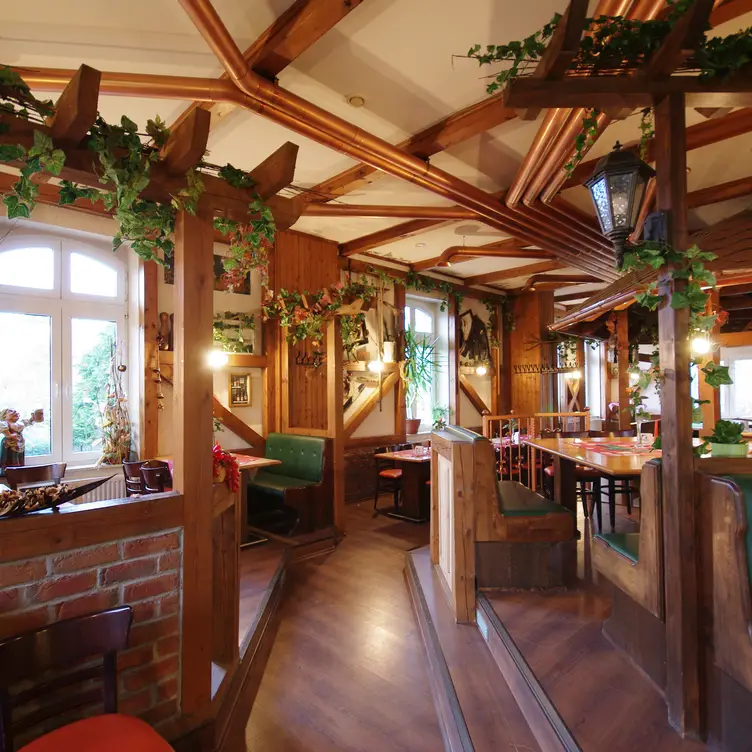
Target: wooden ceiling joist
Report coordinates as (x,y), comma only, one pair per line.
(299,27)
(76,108)
(186,144)
(387,212)
(455,254)
(460,126)
(714,194)
(518,271)
(389,235)
(729,10)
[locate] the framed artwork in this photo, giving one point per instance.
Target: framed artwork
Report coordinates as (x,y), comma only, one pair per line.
(240,389)
(219,283)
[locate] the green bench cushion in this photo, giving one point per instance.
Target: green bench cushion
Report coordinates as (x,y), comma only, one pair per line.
(302,457)
(516,500)
(745,484)
(627,544)
(277,484)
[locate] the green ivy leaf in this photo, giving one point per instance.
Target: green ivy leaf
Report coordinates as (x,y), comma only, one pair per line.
(716,375)
(16,208)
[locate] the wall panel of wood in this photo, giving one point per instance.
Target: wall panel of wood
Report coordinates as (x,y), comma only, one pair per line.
(302,263)
(533,312)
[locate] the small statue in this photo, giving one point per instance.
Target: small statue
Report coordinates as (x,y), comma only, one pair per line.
(13,444)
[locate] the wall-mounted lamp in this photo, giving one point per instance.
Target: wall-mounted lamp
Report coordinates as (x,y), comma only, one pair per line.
(376,366)
(700,345)
(481,370)
(573,375)
(217,359)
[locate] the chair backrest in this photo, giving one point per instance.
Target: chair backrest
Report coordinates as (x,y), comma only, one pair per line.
(402,447)
(574,435)
(382,463)
(301,456)
(155,475)
(132,473)
(627,432)
(59,647)
(35,474)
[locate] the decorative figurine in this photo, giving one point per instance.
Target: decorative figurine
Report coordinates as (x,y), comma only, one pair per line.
(13,445)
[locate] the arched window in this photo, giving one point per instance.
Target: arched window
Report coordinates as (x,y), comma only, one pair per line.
(62,311)
(421,317)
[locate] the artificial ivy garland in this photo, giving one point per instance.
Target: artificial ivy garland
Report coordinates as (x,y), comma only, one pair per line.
(230,331)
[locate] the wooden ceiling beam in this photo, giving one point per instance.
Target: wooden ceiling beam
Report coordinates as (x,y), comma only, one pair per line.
(288,37)
(714,194)
(186,144)
(620,92)
(456,254)
(76,108)
(730,10)
(703,134)
(740,303)
(276,172)
(389,235)
(388,212)
(518,271)
(460,126)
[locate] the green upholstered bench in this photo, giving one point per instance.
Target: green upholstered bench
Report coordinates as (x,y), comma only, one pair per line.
(299,483)
(626,544)
(526,516)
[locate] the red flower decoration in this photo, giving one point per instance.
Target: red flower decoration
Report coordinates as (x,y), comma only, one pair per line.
(221,458)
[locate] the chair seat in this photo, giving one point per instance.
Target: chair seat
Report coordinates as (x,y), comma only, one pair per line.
(111,733)
(626,544)
(392,473)
(549,470)
(586,472)
(277,484)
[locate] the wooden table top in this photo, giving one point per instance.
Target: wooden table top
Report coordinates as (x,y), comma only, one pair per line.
(406,455)
(575,449)
(245,461)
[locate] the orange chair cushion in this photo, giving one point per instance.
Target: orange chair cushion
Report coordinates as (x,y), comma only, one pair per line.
(391,472)
(586,472)
(103,733)
(549,470)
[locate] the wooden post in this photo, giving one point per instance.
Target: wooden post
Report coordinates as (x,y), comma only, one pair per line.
(622,342)
(269,377)
(496,364)
(679,515)
(505,368)
(192,437)
(400,406)
(454,361)
(712,411)
(335,399)
(148,312)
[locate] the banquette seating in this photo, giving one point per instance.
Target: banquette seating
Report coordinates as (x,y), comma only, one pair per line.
(293,497)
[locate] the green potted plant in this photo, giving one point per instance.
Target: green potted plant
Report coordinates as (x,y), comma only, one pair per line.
(417,372)
(440,416)
(727,441)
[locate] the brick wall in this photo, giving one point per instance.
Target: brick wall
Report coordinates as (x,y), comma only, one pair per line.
(143,572)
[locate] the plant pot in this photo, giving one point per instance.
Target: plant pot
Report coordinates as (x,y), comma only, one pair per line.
(221,475)
(388,349)
(729,450)
(413,425)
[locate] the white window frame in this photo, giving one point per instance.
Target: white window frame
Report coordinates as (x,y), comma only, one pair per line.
(62,306)
(431,308)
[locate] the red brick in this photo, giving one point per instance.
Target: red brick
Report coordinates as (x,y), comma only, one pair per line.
(135,704)
(135,657)
(9,599)
(62,587)
(154,630)
(150,675)
(86,604)
(22,621)
(168,689)
(168,646)
(161,712)
(74,561)
(144,611)
(149,588)
(170,604)
(128,570)
(18,572)
(169,562)
(154,544)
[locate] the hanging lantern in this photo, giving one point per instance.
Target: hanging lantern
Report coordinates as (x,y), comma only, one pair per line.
(617,188)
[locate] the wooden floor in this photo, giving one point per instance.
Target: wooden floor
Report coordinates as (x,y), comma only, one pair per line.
(258,565)
(347,670)
(604,700)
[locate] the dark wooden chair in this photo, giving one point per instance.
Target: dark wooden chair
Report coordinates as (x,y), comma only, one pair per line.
(388,476)
(155,476)
(624,485)
(132,473)
(16,476)
(64,647)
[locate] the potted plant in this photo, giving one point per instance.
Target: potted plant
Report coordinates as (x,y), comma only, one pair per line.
(416,372)
(440,415)
(727,441)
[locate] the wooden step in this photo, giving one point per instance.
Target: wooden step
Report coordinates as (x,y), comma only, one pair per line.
(476,709)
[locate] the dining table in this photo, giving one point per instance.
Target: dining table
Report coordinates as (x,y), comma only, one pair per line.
(615,457)
(416,471)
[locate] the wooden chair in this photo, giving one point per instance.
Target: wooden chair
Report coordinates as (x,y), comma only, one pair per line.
(35,474)
(388,476)
(633,562)
(616,484)
(132,473)
(155,476)
(63,647)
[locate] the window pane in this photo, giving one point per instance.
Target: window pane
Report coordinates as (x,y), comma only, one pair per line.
(407,317)
(28,267)
(593,380)
(26,375)
(423,322)
(92,343)
(91,277)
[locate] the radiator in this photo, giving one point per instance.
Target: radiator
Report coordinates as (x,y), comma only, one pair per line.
(113,489)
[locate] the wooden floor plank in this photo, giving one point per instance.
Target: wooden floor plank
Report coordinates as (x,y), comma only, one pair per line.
(258,565)
(347,670)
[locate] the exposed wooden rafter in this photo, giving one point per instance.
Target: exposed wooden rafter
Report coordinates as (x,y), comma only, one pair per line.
(729,10)
(472,394)
(390,235)
(366,407)
(299,27)
(232,423)
(387,212)
(76,107)
(515,273)
(510,248)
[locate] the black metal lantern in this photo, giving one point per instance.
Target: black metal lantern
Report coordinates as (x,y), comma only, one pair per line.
(617,188)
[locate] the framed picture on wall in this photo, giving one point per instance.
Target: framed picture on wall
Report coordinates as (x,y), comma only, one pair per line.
(240,389)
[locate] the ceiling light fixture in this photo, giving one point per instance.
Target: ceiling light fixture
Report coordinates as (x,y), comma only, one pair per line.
(355,100)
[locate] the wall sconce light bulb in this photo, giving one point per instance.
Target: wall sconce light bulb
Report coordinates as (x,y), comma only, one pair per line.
(700,345)
(376,366)
(217,359)
(481,371)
